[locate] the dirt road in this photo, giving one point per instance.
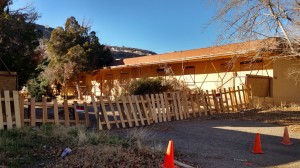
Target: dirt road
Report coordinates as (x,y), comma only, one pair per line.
(227,143)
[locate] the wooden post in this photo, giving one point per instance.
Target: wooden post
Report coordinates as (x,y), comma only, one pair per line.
(56,116)
(221,101)
(226,100)
(8,110)
(120,113)
(66,112)
(21,106)
(174,104)
(145,110)
(240,97)
(1,114)
(139,109)
(158,108)
(232,102)
(192,100)
(86,115)
(167,106)
(133,112)
(179,105)
(104,112)
(154,114)
(236,100)
(199,102)
(186,113)
(17,109)
(77,121)
(208,102)
(113,111)
(216,104)
(45,110)
(163,109)
(205,105)
(151,117)
(126,111)
(244,95)
(99,125)
(32,112)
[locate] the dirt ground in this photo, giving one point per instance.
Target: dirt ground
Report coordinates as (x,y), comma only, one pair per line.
(226,140)
(219,140)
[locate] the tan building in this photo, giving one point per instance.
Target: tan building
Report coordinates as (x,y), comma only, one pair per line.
(205,68)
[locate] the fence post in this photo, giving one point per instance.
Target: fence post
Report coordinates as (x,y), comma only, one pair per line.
(66,113)
(86,115)
(174,105)
(56,116)
(226,100)
(104,112)
(179,105)
(232,102)
(45,111)
(77,121)
(21,107)
(158,108)
(139,109)
(163,108)
(1,114)
(132,111)
(113,111)
(17,109)
(145,110)
(99,126)
(8,110)
(32,112)
(120,112)
(221,101)
(128,117)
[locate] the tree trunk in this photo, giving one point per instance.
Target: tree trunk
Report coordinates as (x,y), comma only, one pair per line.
(79,96)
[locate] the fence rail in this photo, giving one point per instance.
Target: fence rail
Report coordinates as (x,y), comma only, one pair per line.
(120,112)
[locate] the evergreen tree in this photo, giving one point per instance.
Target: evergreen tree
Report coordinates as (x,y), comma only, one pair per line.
(72,50)
(18,41)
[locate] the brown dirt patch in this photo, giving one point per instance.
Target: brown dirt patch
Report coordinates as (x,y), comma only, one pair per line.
(289,117)
(108,156)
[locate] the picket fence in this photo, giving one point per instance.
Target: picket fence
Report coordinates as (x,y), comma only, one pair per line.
(120,112)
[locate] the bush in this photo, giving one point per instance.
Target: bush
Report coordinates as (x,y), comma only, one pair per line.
(39,87)
(149,86)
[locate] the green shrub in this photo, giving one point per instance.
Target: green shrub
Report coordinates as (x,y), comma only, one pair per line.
(39,87)
(149,86)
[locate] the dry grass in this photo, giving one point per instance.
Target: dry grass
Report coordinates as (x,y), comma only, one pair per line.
(109,156)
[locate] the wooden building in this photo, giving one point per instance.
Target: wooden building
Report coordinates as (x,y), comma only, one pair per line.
(205,68)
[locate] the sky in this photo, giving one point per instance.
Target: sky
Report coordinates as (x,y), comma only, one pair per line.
(161,26)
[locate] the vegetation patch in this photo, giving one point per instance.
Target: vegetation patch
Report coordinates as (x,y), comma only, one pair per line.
(42,147)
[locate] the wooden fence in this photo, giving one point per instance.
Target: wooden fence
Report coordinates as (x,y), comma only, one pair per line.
(120,112)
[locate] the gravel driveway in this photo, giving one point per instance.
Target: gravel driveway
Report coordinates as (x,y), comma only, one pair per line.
(227,143)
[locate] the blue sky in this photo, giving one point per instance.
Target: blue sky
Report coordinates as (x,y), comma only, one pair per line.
(158,25)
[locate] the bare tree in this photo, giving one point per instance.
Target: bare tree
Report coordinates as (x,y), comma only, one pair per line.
(245,20)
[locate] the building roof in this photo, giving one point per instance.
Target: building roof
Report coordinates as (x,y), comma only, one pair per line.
(201,54)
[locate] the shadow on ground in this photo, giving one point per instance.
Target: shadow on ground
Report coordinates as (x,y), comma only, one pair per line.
(226,143)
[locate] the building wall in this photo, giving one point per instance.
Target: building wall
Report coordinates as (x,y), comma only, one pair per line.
(285,90)
(205,75)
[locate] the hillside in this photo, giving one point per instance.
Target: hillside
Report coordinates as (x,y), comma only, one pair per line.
(127,52)
(117,52)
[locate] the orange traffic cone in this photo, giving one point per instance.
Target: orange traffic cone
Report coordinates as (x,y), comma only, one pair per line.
(286,138)
(257,145)
(169,158)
